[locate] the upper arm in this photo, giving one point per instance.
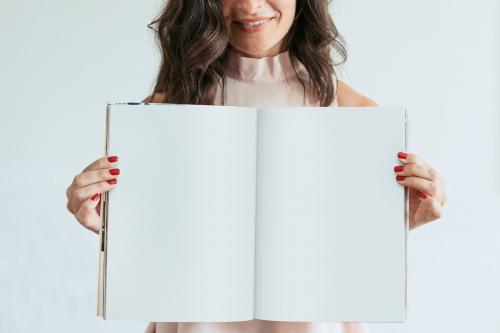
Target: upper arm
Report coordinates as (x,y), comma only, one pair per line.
(347,96)
(156,98)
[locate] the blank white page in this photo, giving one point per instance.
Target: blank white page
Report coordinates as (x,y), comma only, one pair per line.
(181,220)
(331,226)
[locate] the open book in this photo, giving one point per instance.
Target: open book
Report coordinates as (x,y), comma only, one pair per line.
(225,213)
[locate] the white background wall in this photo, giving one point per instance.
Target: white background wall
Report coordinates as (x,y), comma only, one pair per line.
(61,61)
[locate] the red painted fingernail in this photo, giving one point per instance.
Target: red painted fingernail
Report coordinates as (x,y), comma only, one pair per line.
(111,181)
(423,195)
(114,172)
(112,159)
(402,155)
(95,197)
(400,177)
(399,168)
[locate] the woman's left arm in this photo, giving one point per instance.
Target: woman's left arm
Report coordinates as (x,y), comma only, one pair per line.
(427,188)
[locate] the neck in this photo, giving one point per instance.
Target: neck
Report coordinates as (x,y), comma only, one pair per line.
(273,51)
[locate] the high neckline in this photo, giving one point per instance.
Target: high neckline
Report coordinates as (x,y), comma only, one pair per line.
(265,69)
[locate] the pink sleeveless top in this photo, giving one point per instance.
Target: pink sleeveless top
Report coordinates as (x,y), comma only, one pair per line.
(261,82)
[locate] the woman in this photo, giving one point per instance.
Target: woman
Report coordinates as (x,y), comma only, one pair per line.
(253,53)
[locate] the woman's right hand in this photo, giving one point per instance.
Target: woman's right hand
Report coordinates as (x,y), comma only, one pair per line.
(84,193)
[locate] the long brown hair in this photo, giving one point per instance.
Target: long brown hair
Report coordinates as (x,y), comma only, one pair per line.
(194,40)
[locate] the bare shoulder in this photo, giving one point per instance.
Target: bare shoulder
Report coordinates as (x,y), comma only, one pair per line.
(158,97)
(347,96)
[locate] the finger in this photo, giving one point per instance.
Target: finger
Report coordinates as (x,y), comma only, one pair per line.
(419,184)
(417,170)
(74,207)
(434,188)
(102,163)
(106,162)
(432,206)
(95,176)
(406,158)
(85,193)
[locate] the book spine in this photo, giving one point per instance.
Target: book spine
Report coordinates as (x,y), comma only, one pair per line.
(101,282)
(407,219)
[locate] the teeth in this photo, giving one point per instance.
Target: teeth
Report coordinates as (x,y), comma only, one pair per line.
(256,22)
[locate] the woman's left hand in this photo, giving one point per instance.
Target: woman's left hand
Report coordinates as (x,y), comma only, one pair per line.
(426,189)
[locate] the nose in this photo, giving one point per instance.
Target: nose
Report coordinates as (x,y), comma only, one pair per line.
(249,6)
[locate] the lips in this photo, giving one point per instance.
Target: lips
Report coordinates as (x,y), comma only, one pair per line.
(253,22)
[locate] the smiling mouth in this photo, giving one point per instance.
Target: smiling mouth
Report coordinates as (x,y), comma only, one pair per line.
(255,23)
